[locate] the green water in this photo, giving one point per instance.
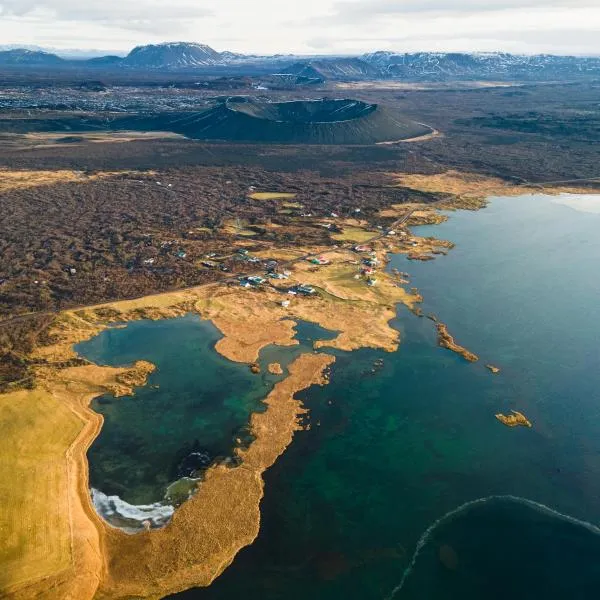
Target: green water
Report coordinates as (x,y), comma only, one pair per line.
(194,410)
(196,401)
(391,456)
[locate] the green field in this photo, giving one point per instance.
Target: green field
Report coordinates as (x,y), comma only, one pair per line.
(354,234)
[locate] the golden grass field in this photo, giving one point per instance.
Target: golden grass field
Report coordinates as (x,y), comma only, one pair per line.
(11,179)
(272,196)
(237,227)
(35,517)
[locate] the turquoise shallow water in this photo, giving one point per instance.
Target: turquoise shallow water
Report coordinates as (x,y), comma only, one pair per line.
(391,454)
(195,405)
(194,410)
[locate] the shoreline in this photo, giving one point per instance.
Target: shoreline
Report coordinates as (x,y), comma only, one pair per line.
(249,319)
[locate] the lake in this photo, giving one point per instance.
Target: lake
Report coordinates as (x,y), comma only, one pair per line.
(406,486)
(416,446)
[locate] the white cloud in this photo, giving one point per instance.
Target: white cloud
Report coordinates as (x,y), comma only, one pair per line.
(103,10)
(351,9)
(309,26)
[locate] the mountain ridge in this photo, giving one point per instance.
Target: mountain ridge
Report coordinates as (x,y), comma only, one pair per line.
(415,66)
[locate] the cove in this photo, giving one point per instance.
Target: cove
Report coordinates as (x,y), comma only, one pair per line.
(391,453)
(194,409)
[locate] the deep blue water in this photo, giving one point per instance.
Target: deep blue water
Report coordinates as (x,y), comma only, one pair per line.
(393,454)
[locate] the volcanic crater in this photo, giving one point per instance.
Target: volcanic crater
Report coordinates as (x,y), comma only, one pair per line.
(325,121)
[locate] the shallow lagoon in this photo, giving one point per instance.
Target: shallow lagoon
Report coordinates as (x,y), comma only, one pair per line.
(194,409)
(195,403)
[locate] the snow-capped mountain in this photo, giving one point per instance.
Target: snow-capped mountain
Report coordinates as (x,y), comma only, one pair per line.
(26,57)
(418,66)
(335,68)
(443,65)
(173,55)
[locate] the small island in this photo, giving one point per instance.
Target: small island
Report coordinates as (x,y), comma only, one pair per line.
(445,340)
(517,419)
(275,369)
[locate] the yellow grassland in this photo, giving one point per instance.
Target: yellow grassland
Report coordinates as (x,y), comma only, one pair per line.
(353,234)
(471,190)
(21,179)
(272,196)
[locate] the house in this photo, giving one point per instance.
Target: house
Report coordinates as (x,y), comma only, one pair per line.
(181,254)
(255,280)
(285,303)
(371,282)
(305,290)
(368,271)
(321,260)
(361,248)
(242,252)
(211,264)
(149,261)
(391,232)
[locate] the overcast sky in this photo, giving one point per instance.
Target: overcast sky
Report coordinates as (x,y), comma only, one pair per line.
(308,26)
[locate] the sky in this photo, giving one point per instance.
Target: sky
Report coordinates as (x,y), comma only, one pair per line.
(308,26)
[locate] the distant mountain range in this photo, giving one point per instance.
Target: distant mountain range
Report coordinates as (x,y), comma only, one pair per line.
(420,66)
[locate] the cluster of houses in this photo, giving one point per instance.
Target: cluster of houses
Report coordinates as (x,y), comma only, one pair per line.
(369,264)
(272,272)
(254,281)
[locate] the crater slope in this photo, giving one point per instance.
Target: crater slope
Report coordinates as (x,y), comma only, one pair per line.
(341,121)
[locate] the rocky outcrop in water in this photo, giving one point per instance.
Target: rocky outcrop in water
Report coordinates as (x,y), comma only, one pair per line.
(445,340)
